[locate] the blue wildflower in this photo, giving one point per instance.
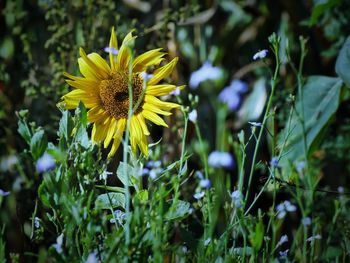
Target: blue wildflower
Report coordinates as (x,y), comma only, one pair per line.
(4,193)
(206,72)
(58,245)
(231,95)
(192,116)
(92,258)
(274,162)
(218,159)
(199,195)
(112,50)
(306,221)
(45,163)
(237,198)
(260,55)
(285,207)
(205,183)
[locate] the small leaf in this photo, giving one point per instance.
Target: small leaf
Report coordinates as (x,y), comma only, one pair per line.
(342,66)
(257,237)
(38,144)
(66,125)
(142,196)
(110,200)
(178,210)
(126,178)
(23,128)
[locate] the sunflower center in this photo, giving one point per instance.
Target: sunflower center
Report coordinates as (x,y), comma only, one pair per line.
(114,94)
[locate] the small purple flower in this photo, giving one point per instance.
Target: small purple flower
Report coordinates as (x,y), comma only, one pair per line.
(306,221)
(260,55)
(205,183)
(199,195)
(45,163)
(176,92)
(255,124)
(58,245)
(285,207)
(237,198)
(284,254)
(206,72)
(4,193)
(219,159)
(146,76)
(192,116)
(300,166)
(92,258)
(231,95)
(119,216)
(313,238)
(274,162)
(112,50)
(282,240)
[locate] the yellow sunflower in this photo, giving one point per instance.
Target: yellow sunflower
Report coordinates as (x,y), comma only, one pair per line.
(104,91)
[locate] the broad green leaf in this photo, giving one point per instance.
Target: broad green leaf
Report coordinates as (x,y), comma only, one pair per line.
(178,210)
(66,125)
(23,128)
(38,144)
(110,200)
(342,66)
(257,237)
(321,101)
(127,178)
(320,9)
(254,104)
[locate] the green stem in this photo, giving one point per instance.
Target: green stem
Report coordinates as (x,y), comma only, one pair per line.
(273,87)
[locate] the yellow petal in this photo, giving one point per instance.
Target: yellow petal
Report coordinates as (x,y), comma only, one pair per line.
(120,128)
(160,90)
(88,85)
(123,55)
(88,67)
(73,98)
(143,124)
(99,132)
(111,131)
(163,72)
(113,43)
(154,118)
(101,63)
(143,145)
(160,104)
(114,148)
(151,107)
(97,114)
(149,58)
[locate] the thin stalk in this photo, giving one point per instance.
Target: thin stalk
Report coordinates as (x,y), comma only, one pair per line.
(273,87)
(125,151)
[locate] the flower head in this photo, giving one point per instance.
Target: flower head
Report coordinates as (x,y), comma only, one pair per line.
(274,162)
(58,244)
(306,221)
(104,90)
(237,198)
(45,163)
(206,72)
(205,183)
(192,116)
(221,159)
(285,207)
(231,95)
(261,54)
(4,193)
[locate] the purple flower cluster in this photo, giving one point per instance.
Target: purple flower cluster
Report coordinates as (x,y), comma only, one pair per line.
(232,95)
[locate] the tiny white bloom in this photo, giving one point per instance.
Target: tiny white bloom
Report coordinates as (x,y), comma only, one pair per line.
(176,92)
(282,240)
(206,72)
(261,54)
(199,195)
(315,237)
(192,116)
(306,221)
(58,245)
(112,50)
(36,222)
(146,76)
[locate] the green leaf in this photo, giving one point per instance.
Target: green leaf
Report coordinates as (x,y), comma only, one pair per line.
(254,104)
(320,9)
(23,128)
(257,237)
(321,101)
(66,125)
(178,210)
(110,200)
(38,144)
(142,196)
(126,178)
(342,66)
